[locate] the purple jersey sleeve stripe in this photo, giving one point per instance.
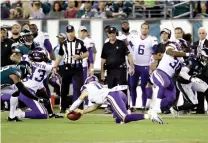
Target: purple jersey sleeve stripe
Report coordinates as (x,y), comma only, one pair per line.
(48,45)
(83,88)
(90,55)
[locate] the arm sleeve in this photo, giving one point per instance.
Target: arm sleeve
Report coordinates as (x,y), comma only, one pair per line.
(48,45)
(61,50)
(103,54)
(90,55)
(83,47)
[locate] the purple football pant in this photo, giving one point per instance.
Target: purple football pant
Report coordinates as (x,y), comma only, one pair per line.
(117,101)
(166,91)
(38,109)
(143,72)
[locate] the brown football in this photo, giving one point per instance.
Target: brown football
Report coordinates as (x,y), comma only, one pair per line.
(73,116)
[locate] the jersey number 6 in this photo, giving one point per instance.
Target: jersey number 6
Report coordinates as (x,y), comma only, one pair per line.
(141,49)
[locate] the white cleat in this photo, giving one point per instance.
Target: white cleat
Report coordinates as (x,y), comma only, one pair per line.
(18,113)
(174,112)
(154,117)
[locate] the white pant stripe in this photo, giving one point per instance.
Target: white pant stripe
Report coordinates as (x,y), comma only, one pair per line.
(158,78)
(117,107)
(39,107)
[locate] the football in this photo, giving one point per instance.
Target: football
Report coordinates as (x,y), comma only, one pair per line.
(73,116)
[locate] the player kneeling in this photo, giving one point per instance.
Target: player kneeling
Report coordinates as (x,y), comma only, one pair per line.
(98,95)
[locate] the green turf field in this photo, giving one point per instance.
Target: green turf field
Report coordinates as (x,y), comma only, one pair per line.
(99,128)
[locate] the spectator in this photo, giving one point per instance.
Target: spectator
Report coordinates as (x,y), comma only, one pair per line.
(12,13)
(63,5)
(6,46)
(6,4)
(46,6)
(86,12)
(57,11)
(71,11)
(120,7)
(37,11)
(27,9)
(19,13)
(4,12)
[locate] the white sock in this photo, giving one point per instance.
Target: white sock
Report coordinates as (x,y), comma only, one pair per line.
(156,107)
(13,106)
(146,116)
(148,103)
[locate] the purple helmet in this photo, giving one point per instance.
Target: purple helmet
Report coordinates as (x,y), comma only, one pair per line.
(38,54)
(91,78)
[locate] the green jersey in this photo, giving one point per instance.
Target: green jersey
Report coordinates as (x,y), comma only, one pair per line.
(24,49)
(6,71)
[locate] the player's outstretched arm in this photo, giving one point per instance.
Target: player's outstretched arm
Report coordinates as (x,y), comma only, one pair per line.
(91,108)
(170,51)
(22,88)
(79,101)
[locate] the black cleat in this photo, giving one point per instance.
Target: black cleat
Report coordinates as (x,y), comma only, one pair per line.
(62,111)
(54,115)
(15,119)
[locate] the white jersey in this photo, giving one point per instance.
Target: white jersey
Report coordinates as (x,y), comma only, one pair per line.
(96,92)
(142,49)
(88,43)
(40,39)
(170,64)
(40,72)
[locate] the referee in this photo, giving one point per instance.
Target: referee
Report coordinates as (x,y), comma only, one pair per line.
(74,51)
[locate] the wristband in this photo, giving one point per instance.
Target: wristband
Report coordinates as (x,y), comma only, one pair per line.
(187,54)
(91,69)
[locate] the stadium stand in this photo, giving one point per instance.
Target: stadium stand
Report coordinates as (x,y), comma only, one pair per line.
(46,9)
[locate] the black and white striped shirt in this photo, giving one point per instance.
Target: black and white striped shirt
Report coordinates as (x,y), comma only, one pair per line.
(71,48)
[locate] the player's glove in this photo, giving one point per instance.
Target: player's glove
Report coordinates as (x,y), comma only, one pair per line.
(196,80)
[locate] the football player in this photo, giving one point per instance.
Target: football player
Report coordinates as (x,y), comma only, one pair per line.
(11,77)
(42,39)
(24,47)
(189,81)
(169,65)
(98,95)
(42,67)
(142,49)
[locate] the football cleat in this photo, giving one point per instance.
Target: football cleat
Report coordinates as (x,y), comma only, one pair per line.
(154,117)
(174,112)
(15,119)
(54,115)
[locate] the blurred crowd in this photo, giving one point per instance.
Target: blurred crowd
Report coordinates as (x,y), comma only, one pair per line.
(51,9)
(45,9)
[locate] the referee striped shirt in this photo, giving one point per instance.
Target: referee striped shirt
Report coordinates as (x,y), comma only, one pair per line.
(71,48)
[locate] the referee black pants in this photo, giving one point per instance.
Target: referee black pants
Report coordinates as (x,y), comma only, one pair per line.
(117,77)
(71,75)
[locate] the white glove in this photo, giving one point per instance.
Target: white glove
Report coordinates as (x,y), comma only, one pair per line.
(196,80)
